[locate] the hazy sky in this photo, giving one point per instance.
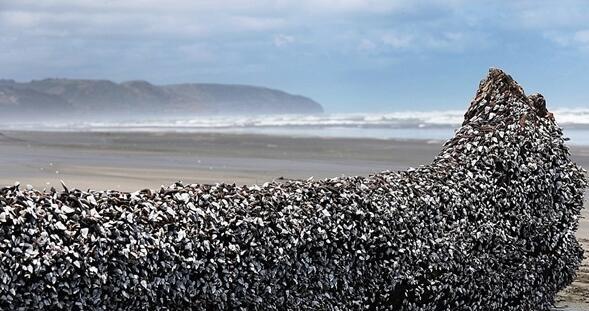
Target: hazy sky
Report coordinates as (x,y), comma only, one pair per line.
(350,55)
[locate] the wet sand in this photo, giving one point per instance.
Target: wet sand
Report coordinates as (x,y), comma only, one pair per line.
(129,161)
(133,161)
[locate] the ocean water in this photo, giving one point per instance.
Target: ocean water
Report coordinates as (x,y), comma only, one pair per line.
(427,125)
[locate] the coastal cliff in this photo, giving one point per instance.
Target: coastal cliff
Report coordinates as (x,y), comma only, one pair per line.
(63,97)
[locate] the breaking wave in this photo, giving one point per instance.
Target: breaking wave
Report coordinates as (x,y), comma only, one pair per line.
(404,124)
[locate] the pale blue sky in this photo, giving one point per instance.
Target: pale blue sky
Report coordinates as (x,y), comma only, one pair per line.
(349,55)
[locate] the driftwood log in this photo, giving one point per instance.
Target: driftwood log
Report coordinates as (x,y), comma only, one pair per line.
(488,225)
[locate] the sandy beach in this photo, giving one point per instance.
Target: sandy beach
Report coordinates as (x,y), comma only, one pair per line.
(129,161)
(133,161)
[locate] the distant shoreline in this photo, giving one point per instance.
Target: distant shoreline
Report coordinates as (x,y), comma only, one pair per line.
(434,135)
(433,125)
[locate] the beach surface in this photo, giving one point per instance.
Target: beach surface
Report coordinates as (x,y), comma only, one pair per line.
(130,161)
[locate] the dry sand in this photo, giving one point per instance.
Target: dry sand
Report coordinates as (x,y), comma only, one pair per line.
(133,161)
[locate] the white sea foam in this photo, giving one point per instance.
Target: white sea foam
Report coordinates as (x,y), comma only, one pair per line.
(404,124)
(404,119)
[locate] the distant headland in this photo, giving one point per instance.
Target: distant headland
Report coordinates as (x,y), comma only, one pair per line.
(64,97)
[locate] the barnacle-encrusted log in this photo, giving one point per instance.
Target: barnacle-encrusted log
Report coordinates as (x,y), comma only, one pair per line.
(488,225)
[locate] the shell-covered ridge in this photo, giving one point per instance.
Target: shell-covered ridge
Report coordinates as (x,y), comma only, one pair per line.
(499,88)
(489,224)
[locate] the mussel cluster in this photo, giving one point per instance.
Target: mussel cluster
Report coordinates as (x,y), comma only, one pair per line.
(488,225)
